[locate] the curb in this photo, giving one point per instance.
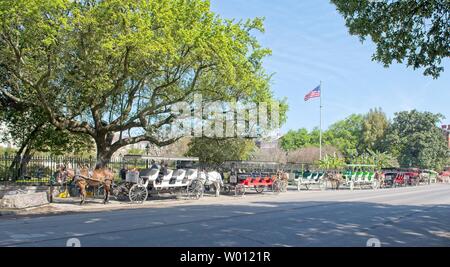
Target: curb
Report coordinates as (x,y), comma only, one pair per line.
(7,212)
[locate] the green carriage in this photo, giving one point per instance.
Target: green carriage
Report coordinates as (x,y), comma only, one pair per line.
(361,176)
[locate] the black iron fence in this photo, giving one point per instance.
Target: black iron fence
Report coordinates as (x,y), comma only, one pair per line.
(40,169)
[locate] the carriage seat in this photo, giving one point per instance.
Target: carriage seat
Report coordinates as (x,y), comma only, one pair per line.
(132,177)
(166,178)
(177,174)
(150,174)
(145,173)
(191,174)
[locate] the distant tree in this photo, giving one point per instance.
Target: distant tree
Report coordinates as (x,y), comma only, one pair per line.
(217,151)
(378,159)
(383,160)
(374,128)
(296,139)
(179,148)
(311,154)
(416,32)
(416,140)
(136,151)
(315,137)
(332,162)
(274,154)
(345,135)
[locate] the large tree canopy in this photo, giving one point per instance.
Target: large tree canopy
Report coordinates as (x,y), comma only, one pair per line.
(104,67)
(416,32)
(374,130)
(346,135)
(416,140)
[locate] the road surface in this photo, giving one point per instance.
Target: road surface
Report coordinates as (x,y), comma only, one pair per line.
(413,216)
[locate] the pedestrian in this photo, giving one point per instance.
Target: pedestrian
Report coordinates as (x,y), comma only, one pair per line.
(123,173)
(154,165)
(165,169)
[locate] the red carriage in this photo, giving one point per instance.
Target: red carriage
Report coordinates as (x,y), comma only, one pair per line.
(412,176)
(402,177)
(259,176)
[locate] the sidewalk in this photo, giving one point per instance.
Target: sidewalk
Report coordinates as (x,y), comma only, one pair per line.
(71,205)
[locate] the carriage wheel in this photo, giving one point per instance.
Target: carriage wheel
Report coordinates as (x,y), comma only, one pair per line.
(119,191)
(375,184)
(323,185)
(260,188)
(190,189)
(138,193)
(227,189)
(196,190)
(239,190)
(276,187)
(115,190)
(285,186)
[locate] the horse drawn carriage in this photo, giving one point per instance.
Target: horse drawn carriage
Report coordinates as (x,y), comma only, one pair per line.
(361,175)
(300,175)
(260,176)
(309,179)
(138,185)
(428,176)
(399,177)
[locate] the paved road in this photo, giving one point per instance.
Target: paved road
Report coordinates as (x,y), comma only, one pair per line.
(416,216)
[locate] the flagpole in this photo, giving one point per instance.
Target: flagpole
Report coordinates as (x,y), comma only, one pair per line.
(320,126)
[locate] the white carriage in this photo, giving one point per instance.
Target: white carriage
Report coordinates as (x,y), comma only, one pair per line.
(139,184)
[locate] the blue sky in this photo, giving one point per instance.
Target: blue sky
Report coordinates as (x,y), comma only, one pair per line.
(310,43)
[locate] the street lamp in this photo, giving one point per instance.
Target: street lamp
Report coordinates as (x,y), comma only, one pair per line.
(147,150)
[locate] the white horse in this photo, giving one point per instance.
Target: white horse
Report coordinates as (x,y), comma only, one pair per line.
(212,178)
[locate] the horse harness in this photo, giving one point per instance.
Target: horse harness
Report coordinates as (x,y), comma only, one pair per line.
(78,175)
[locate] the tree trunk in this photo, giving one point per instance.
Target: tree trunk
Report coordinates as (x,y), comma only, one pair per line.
(104,153)
(24,163)
(14,168)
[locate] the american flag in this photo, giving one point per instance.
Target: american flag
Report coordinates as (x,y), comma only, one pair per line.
(313,94)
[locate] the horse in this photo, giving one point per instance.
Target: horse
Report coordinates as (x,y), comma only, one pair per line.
(284,178)
(99,176)
(212,178)
(63,173)
(335,178)
(424,178)
(381,178)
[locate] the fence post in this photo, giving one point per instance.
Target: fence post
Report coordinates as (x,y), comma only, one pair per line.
(6,171)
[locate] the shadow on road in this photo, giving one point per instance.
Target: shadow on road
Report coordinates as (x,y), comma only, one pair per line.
(255,223)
